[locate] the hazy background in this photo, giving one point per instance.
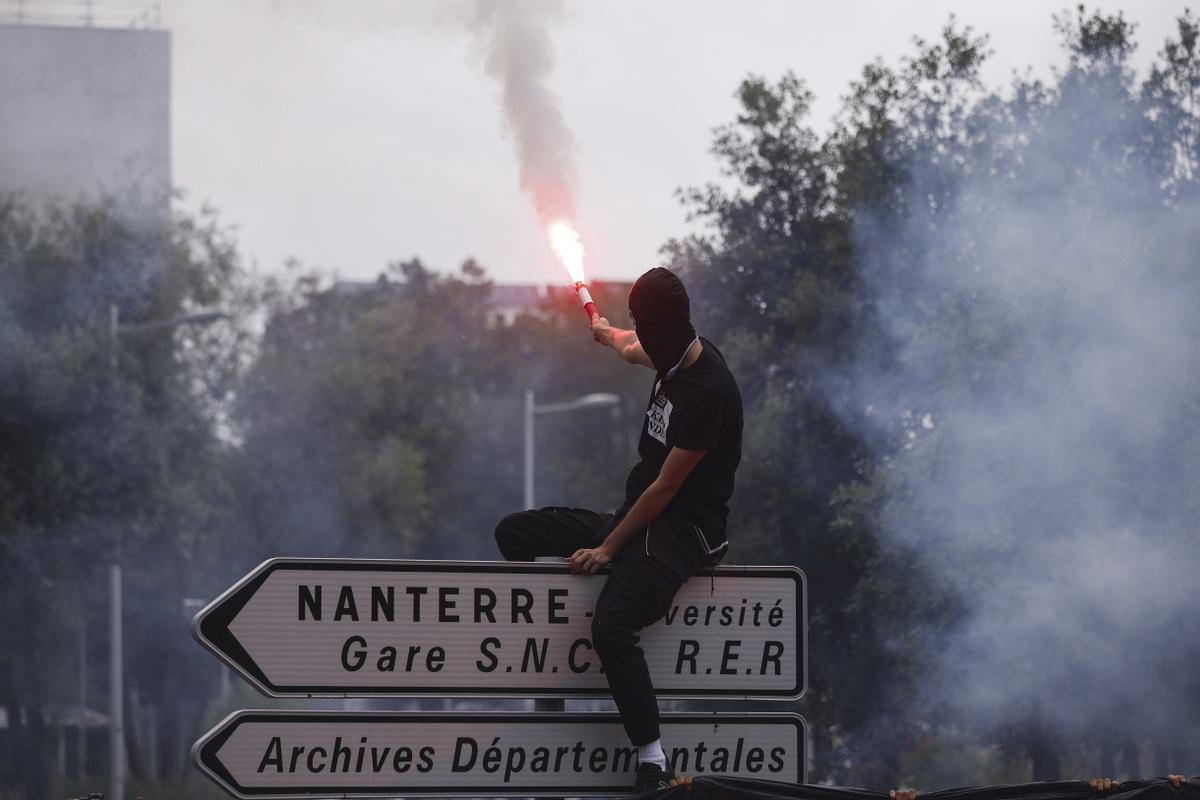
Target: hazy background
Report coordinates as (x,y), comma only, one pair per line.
(959,305)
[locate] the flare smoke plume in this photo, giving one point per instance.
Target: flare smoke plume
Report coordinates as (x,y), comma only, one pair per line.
(516,49)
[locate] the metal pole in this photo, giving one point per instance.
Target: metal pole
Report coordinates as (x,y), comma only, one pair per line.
(529,448)
(116,644)
(550,703)
(116,692)
(151,730)
(809,755)
(114,324)
(82,703)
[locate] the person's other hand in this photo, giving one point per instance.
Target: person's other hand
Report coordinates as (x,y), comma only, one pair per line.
(602,331)
(1103,785)
(1176,780)
(588,560)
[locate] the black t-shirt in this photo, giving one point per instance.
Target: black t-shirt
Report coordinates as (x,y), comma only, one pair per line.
(698,408)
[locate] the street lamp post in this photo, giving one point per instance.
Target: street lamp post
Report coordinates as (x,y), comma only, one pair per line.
(116,633)
(532,409)
(595,400)
(116,327)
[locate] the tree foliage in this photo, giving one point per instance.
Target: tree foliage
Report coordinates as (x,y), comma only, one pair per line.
(107,453)
(815,262)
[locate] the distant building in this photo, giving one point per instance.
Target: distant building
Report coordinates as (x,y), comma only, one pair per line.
(85,89)
(505,301)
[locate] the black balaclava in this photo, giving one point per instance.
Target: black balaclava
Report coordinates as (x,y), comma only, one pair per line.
(661,315)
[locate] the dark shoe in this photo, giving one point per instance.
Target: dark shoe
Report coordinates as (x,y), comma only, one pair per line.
(652,776)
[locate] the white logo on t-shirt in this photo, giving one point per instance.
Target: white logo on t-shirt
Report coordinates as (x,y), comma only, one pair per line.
(660,417)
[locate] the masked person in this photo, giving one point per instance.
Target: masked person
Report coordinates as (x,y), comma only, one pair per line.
(672,522)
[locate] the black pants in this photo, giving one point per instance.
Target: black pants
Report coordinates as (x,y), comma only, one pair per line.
(638,592)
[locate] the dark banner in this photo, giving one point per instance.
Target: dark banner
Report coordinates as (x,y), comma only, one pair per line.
(715,788)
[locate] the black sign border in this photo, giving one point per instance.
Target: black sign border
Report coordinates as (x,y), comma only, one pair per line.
(204,751)
(210,627)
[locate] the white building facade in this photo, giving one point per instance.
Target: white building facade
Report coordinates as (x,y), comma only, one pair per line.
(86,110)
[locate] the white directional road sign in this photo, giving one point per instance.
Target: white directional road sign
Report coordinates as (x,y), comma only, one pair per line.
(335,627)
(284,754)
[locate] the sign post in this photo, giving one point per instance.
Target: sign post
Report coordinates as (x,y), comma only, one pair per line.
(373,628)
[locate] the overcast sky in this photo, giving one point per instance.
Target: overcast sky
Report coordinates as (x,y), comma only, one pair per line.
(352,133)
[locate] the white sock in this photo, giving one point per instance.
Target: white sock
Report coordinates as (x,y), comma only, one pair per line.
(652,754)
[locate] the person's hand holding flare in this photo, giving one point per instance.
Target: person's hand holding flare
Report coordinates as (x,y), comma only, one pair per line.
(601,331)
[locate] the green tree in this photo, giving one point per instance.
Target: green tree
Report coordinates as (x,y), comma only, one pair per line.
(814,271)
(107,454)
(958,185)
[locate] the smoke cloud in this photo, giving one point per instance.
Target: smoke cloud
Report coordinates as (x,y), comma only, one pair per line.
(515,46)
(1035,374)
